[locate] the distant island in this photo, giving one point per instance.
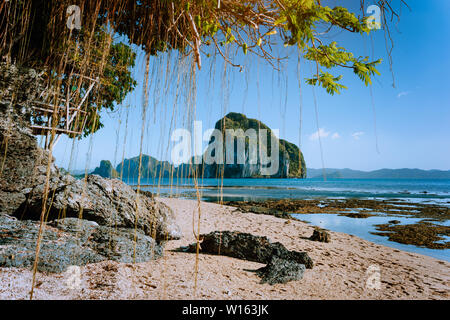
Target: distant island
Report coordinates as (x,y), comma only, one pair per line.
(290,158)
(378,174)
(106,170)
(291,161)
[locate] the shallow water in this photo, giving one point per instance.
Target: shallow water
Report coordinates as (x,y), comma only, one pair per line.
(362,228)
(401,190)
(424,191)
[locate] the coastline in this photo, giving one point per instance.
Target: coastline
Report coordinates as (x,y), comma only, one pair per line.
(341,267)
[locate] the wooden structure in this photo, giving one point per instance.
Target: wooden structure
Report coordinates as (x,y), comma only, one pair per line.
(64,114)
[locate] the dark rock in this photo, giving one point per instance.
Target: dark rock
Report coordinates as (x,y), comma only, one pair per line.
(248,247)
(300,257)
(281,271)
(24,168)
(320,235)
(109,202)
(267,211)
(113,243)
(23,162)
(394,221)
(69,242)
(357,215)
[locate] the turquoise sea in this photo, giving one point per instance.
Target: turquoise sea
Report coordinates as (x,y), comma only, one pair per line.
(410,191)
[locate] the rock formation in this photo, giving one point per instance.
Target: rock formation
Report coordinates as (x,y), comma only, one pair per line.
(320,235)
(150,168)
(282,265)
(22,164)
(70,242)
(281,271)
(25,169)
(290,158)
(109,202)
(106,170)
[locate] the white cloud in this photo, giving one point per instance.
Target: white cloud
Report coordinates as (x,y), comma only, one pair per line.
(335,136)
(357,135)
(321,133)
(403,93)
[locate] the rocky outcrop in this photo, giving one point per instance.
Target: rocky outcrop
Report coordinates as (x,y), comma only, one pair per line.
(109,202)
(320,235)
(70,242)
(22,162)
(106,170)
(291,163)
(27,172)
(281,271)
(282,265)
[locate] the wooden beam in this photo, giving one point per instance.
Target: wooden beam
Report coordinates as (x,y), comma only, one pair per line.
(60,107)
(56,129)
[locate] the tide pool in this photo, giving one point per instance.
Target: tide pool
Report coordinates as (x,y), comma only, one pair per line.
(362,228)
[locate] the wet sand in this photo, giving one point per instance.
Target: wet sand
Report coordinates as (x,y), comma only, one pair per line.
(341,270)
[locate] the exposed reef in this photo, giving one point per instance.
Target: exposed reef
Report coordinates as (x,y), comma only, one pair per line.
(422,234)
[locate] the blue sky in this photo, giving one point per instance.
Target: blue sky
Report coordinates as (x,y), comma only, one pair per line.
(406,126)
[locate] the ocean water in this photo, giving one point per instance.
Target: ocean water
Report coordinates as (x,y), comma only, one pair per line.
(362,228)
(408,191)
(426,191)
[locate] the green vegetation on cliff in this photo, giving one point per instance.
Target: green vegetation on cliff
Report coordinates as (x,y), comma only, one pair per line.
(106,170)
(292,163)
(150,168)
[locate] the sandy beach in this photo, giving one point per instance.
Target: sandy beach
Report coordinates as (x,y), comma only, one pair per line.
(341,267)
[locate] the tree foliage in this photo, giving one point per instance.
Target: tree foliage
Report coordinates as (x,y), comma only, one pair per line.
(34,33)
(116,80)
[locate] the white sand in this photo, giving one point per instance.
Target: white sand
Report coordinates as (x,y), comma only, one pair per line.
(340,270)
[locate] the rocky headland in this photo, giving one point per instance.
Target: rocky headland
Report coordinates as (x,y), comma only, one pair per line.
(79,221)
(290,158)
(76,213)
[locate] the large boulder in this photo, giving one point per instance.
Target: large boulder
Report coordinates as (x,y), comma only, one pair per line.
(320,235)
(282,265)
(281,271)
(106,170)
(109,202)
(248,247)
(70,242)
(25,169)
(22,161)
